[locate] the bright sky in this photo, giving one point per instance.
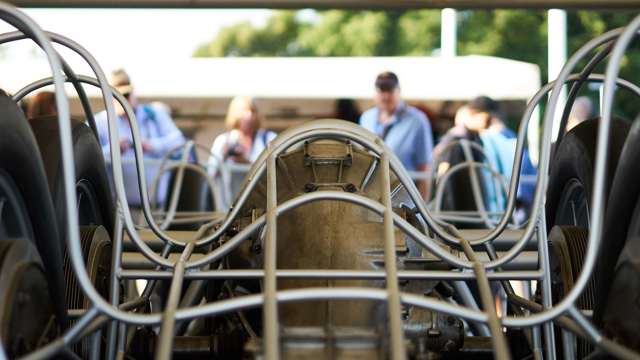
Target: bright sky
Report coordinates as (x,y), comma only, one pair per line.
(121,37)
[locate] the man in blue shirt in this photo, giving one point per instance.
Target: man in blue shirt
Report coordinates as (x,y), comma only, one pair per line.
(158,132)
(404,129)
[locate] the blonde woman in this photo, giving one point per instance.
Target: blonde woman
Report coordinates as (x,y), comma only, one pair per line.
(243,141)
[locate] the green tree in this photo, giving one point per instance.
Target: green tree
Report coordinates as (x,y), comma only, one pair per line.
(277,38)
(340,33)
(513,34)
(585,25)
(419,32)
(337,33)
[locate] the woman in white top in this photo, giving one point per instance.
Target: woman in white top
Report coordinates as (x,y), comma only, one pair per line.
(244,139)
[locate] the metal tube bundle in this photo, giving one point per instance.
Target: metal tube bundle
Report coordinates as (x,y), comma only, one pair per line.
(440,241)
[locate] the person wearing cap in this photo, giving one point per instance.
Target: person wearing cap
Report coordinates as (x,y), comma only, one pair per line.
(158,132)
(404,129)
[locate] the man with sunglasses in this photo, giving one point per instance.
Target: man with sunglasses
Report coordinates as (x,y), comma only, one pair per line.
(158,132)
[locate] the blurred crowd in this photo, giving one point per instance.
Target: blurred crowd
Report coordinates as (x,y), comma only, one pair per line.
(479,140)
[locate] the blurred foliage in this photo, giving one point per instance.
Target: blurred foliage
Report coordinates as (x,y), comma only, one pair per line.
(513,34)
(335,33)
(277,38)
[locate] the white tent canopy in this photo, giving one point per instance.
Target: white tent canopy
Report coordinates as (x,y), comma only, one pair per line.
(421,78)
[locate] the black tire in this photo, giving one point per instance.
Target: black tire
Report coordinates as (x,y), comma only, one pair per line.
(91,175)
(620,315)
(574,162)
(19,159)
(618,225)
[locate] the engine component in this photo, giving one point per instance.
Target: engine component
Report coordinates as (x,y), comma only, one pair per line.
(25,295)
(568,246)
(354,241)
(96,248)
